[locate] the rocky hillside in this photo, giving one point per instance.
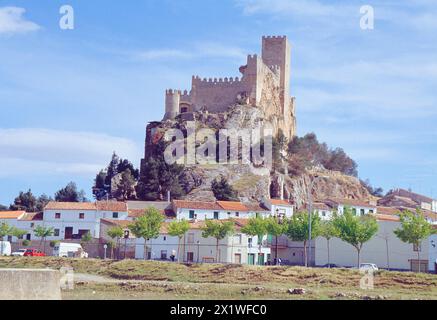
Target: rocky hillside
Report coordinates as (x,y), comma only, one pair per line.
(253,183)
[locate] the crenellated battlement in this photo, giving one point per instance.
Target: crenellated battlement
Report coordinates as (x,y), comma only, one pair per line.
(278,38)
(197,81)
(264,83)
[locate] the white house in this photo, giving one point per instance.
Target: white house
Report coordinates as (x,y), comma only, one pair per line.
(71,220)
(385,250)
(235,249)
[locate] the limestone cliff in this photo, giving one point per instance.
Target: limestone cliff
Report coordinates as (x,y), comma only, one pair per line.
(252,183)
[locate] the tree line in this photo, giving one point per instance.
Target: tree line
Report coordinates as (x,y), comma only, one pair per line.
(348,227)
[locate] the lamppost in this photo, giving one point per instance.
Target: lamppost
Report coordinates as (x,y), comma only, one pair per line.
(310,213)
(280,219)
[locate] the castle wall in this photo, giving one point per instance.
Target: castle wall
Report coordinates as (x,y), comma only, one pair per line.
(216,94)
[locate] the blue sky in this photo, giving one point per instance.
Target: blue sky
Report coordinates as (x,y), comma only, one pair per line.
(68,98)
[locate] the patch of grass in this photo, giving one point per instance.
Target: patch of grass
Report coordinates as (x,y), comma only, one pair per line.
(213,281)
(246,181)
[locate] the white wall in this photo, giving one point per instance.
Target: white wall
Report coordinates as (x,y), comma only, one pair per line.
(374,251)
(432,252)
(203,249)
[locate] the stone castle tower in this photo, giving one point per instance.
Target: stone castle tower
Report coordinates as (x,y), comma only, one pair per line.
(265,83)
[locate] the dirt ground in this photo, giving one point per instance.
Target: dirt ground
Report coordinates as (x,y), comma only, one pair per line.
(130,279)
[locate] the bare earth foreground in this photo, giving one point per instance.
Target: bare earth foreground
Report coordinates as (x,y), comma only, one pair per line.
(129,279)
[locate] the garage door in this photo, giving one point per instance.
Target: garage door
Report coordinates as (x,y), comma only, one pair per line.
(423,265)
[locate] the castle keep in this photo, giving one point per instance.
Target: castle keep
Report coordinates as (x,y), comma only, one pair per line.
(265,83)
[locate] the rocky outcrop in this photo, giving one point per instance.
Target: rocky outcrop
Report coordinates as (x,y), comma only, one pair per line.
(251,182)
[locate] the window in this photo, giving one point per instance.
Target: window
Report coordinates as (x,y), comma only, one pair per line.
(115,215)
(237,214)
(56,232)
(323,215)
(354,211)
(81,216)
(417,248)
(363,212)
(237,239)
(165,238)
(28,237)
(216,215)
(163,254)
(249,240)
(57,215)
(191,238)
(371,211)
(32,225)
(191,215)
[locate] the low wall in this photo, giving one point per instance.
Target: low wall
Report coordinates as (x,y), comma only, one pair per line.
(29,284)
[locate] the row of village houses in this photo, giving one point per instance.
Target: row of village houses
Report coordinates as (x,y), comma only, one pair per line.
(70,221)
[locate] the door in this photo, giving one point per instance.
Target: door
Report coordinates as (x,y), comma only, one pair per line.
(237,258)
(261,259)
(190,256)
(251,259)
(423,266)
(68,233)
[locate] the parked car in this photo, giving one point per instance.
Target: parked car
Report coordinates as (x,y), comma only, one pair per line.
(19,253)
(34,253)
(69,250)
(369,266)
(5,248)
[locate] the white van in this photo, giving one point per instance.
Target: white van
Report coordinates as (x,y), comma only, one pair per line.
(69,250)
(5,248)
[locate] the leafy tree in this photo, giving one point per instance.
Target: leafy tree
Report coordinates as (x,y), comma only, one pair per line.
(100,189)
(26,243)
(25,201)
(178,229)
(297,229)
(414,229)
(43,233)
(115,233)
(86,238)
(159,177)
(126,187)
(70,194)
(275,229)
(328,231)
(340,161)
(148,226)
(256,227)
(103,182)
(218,230)
(42,201)
(377,192)
(355,230)
(279,146)
(223,191)
(19,233)
(5,230)
(307,152)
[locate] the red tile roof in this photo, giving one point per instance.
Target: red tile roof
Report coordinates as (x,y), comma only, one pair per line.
(32,217)
(232,206)
(116,206)
(120,223)
(279,202)
(387,217)
(53,205)
(351,202)
(196,205)
(11,214)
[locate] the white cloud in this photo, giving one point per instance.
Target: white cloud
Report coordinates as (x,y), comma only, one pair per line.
(51,152)
(12,21)
(198,50)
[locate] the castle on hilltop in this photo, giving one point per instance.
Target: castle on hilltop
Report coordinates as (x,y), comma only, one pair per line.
(265,83)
